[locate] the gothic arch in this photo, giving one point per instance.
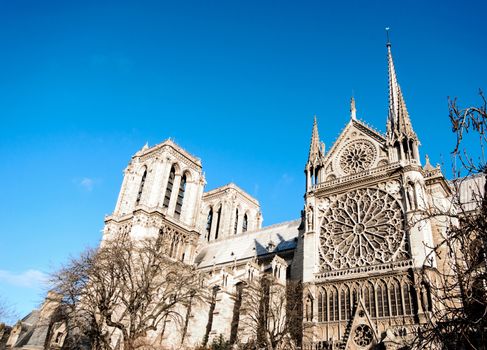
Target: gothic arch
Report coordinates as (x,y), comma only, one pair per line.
(143,172)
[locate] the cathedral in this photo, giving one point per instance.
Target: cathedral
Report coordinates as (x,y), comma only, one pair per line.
(358,248)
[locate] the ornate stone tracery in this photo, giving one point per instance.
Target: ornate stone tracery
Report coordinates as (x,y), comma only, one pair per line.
(362,227)
(362,335)
(357,156)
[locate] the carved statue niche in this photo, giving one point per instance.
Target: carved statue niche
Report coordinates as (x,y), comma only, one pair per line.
(309,217)
(411,196)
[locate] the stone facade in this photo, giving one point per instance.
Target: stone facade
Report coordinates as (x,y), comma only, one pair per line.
(358,247)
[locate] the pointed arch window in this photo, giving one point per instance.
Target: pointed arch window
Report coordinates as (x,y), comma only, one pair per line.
(369,298)
(170,184)
(345,304)
(396,305)
(245,223)
(235,226)
(382,300)
(179,203)
(209,220)
(141,187)
(219,214)
(407,299)
(333,304)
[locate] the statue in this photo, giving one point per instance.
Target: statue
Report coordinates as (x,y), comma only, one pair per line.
(310,218)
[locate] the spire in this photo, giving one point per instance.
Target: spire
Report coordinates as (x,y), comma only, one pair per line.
(398,122)
(353,110)
(316,149)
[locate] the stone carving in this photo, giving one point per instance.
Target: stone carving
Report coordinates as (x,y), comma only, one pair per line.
(393,187)
(362,227)
(411,197)
(362,336)
(357,156)
(310,217)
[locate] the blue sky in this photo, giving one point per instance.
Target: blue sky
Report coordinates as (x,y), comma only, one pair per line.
(85,84)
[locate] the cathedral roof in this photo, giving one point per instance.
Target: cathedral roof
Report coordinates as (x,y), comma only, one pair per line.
(231,186)
(281,237)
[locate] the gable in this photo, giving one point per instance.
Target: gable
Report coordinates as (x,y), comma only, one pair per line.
(358,148)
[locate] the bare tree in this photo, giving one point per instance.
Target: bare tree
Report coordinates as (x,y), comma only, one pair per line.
(458,315)
(125,288)
(271,313)
(7,312)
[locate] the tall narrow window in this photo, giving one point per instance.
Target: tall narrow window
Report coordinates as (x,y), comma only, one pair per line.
(396,304)
(372,300)
(407,298)
(219,213)
(235,226)
(170,184)
(380,298)
(325,306)
(333,303)
(209,220)
(141,187)
(344,304)
(245,223)
(320,307)
(179,203)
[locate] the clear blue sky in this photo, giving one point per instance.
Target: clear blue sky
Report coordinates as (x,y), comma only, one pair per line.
(84,84)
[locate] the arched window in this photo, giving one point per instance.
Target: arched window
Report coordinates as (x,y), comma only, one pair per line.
(333,304)
(344,304)
(170,184)
(407,299)
(324,299)
(309,309)
(235,226)
(245,223)
(396,304)
(209,220)
(141,187)
(179,203)
(219,214)
(382,300)
(369,299)
(320,306)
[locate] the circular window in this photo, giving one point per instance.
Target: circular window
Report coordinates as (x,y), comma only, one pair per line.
(362,227)
(357,156)
(362,336)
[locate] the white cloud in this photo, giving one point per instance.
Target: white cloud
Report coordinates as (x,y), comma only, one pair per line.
(87,183)
(27,279)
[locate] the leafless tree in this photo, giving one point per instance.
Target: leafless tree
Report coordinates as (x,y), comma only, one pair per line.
(129,288)
(458,316)
(272,314)
(7,313)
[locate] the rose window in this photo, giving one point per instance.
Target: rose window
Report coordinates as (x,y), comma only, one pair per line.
(362,227)
(357,156)
(362,335)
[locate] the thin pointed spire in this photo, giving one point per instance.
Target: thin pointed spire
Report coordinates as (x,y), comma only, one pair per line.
(353,110)
(315,149)
(398,123)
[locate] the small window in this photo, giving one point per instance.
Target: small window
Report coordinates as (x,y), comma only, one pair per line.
(235,226)
(209,220)
(141,187)
(219,213)
(245,223)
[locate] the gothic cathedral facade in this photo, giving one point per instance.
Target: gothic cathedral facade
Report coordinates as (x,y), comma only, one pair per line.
(358,248)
